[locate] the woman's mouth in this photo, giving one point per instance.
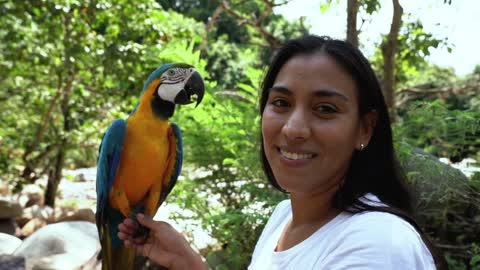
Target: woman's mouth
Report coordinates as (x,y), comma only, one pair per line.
(296,155)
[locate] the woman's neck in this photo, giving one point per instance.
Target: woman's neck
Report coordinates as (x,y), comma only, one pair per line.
(313,209)
(309,213)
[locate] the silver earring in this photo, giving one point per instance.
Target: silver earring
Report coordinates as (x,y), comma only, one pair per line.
(362,146)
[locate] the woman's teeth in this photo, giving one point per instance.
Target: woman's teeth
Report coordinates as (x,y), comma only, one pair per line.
(295,156)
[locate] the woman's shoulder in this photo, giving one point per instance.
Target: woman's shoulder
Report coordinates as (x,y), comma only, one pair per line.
(381,224)
(383,227)
(282,211)
(374,237)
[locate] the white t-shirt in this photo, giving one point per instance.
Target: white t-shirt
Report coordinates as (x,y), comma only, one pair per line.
(364,241)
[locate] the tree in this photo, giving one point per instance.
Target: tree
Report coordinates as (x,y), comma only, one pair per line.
(389,49)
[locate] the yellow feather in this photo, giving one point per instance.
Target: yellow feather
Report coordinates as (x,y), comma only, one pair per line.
(144,154)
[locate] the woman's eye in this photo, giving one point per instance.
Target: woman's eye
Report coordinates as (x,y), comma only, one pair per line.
(326,109)
(280,103)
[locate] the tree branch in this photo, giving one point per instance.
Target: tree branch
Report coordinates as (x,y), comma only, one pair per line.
(256,24)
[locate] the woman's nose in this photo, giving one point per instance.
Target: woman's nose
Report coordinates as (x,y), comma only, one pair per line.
(297,128)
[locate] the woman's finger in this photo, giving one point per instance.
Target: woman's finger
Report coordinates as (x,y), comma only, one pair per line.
(139,240)
(130,223)
(125,229)
(123,236)
(146,221)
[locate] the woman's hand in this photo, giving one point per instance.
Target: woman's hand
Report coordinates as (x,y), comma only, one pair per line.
(164,245)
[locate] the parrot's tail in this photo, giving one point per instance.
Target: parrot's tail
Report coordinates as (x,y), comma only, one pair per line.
(116,258)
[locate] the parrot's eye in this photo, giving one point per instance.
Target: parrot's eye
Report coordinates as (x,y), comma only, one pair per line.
(171,72)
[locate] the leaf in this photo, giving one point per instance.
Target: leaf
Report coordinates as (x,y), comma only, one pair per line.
(475,260)
(324,7)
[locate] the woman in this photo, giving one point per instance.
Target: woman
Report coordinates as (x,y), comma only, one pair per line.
(326,140)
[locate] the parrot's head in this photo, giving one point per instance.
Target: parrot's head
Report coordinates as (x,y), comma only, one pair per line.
(174,84)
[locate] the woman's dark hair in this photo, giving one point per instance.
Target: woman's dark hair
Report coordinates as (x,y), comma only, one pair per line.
(374,169)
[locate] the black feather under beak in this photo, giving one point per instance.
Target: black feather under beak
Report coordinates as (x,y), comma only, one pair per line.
(193,91)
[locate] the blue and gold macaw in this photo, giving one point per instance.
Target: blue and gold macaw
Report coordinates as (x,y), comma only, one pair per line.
(140,158)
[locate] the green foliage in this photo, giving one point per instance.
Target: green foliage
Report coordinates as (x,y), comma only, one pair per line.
(227,62)
(476,70)
(441,131)
(475,261)
(370,6)
(413,49)
(432,76)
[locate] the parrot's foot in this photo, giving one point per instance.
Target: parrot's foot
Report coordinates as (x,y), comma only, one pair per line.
(140,231)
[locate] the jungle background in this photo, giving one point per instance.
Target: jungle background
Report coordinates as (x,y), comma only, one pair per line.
(69,68)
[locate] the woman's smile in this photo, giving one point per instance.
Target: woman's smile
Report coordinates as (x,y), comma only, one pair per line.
(294,157)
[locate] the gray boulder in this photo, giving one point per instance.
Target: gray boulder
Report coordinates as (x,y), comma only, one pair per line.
(448,206)
(64,245)
(437,184)
(9,243)
(10,262)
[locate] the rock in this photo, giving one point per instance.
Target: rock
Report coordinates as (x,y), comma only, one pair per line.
(45,213)
(32,226)
(84,214)
(79,178)
(64,245)
(436,183)
(4,189)
(445,198)
(9,243)
(9,209)
(8,226)
(34,199)
(31,194)
(10,262)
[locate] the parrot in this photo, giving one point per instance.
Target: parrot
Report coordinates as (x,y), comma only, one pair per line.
(140,158)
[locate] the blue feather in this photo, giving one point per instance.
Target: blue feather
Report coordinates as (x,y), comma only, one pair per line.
(107,164)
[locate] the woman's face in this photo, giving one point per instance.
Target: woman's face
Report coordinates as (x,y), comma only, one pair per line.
(311,125)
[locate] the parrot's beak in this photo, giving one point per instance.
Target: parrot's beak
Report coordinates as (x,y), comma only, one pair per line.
(193,91)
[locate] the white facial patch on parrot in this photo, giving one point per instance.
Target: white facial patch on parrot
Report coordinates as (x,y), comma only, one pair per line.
(172,82)
(168,92)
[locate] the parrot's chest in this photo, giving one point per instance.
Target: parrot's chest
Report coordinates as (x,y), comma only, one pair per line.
(143,161)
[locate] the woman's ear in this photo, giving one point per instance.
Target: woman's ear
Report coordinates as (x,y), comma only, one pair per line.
(367,125)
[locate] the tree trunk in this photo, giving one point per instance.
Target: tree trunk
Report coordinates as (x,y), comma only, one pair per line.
(55,175)
(352,33)
(54,178)
(389,49)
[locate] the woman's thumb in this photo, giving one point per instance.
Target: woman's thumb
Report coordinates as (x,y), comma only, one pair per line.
(145,220)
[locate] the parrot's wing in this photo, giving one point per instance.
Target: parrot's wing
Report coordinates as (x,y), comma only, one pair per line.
(107,164)
(177,133)
(108,160)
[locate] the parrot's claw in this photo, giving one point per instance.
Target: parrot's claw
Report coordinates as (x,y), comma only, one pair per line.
(140,231)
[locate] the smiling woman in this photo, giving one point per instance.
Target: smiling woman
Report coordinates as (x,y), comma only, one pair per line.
(327,142)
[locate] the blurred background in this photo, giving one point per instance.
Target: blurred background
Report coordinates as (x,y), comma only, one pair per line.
(69,68)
